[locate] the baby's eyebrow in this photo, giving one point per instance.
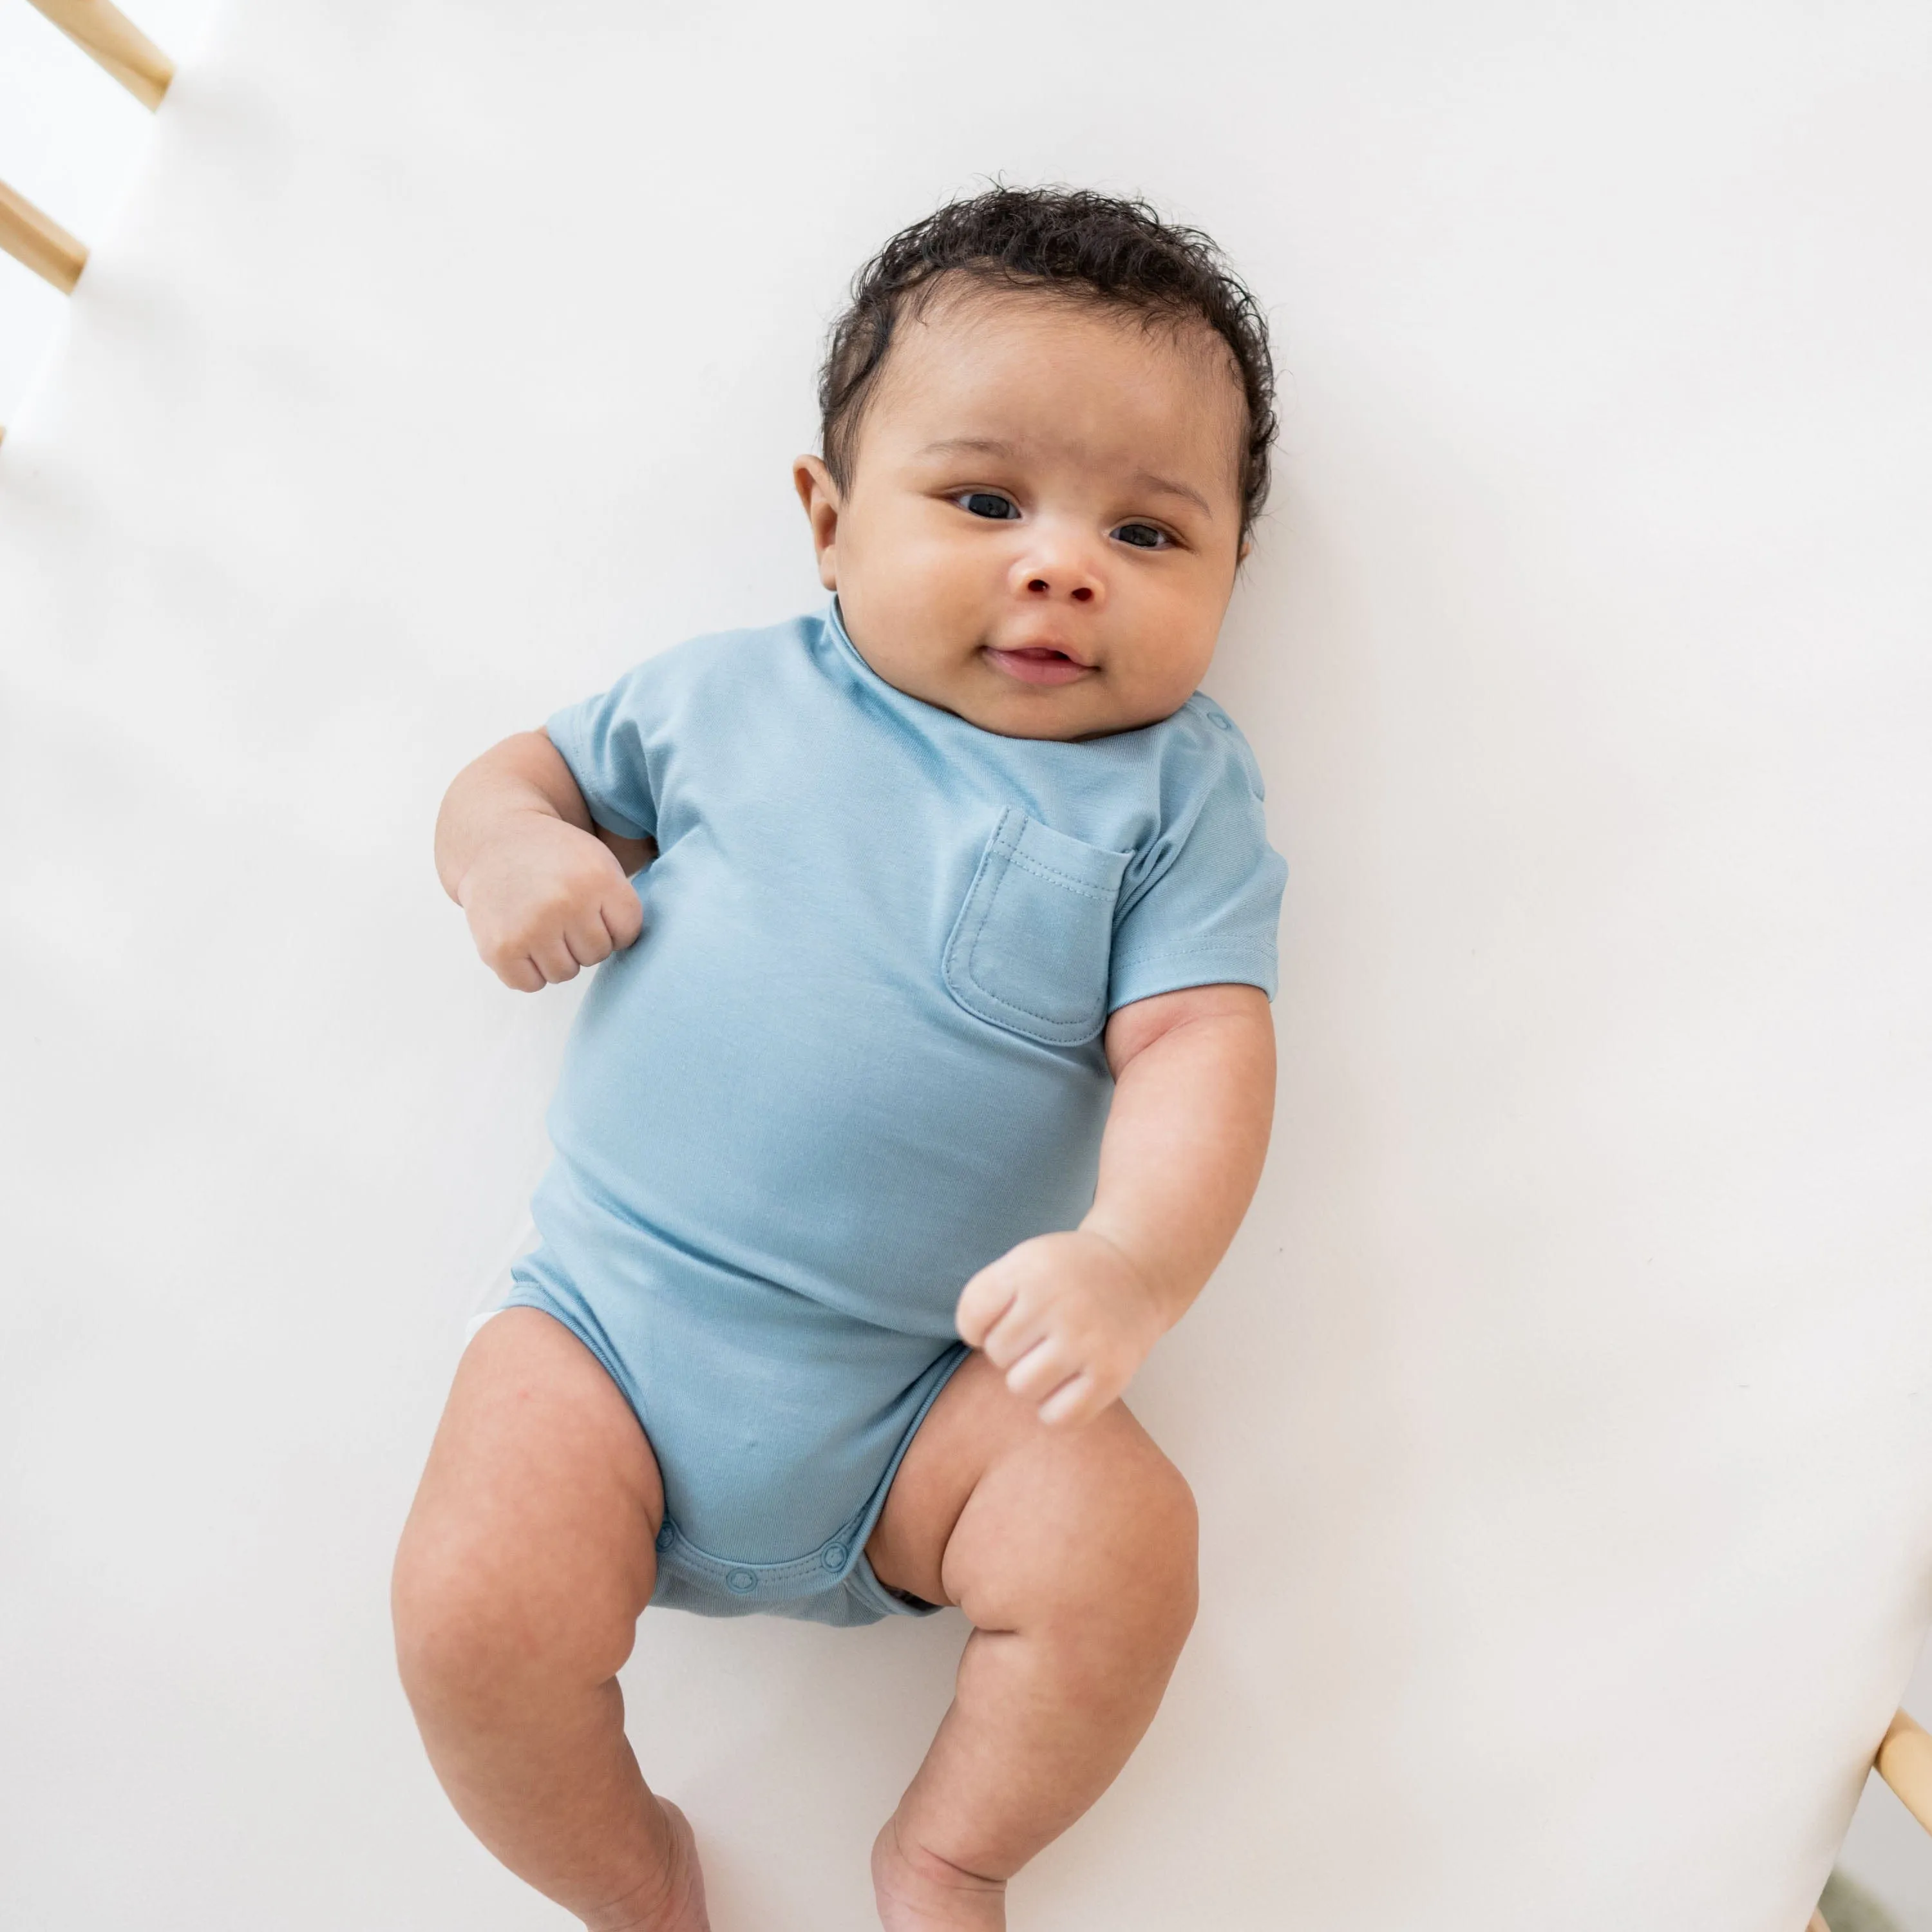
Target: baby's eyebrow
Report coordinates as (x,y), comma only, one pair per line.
(978,445)
(988,445)
(1164,486)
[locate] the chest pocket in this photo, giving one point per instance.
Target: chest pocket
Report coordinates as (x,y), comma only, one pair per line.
(1031,946)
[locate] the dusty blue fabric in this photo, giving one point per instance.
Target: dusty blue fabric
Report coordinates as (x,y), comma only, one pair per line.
(856,1055)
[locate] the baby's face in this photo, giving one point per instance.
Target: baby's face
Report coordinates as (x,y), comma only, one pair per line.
(1043,519)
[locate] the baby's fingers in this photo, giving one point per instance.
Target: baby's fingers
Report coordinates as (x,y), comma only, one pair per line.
(624,916)
(1035,1373)
(588,939)
(981,1303)
(540,964)
(1075,1402)
(1022,1331)
(554,960)
(520,974)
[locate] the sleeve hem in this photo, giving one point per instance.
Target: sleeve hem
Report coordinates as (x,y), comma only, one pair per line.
(615,821)
(1175,968)
(560,730)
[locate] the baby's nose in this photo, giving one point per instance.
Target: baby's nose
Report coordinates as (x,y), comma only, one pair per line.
(1058,565)
(1080,593)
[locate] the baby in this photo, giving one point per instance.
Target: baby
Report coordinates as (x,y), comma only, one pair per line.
(928,1076)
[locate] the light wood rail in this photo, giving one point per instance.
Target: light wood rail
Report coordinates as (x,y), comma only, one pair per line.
(1905,1763)
(39,241)
(106,35)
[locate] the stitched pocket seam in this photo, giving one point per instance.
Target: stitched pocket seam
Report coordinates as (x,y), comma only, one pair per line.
(1015,857)
(992,899)
(1002,850)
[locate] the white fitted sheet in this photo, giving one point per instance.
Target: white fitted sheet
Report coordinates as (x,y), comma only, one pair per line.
(1562,1420)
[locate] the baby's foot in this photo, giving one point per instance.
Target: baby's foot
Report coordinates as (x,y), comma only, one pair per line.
(678,1906)
(919,1892)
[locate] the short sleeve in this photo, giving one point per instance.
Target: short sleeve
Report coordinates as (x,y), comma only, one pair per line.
(608,742)
(1207,905)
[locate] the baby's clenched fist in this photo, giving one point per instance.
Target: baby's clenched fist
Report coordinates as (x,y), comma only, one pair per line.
(544,900)
(1069,1318)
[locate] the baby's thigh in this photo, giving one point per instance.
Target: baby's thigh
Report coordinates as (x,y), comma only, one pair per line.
(530,1544)
(1013,1520)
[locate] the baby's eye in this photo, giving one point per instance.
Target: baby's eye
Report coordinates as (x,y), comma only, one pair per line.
(987,503)
(1143,536)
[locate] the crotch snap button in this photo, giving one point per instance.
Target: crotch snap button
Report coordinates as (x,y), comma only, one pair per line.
(666,1537)
(741,1580)
(834,1557)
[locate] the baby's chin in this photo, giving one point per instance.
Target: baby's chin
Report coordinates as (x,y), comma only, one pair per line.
(1018,684)
(1085,706)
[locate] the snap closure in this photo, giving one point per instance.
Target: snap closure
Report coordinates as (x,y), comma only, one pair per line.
(1220,723)
(741,1580)
(666,1537)
(834,1557)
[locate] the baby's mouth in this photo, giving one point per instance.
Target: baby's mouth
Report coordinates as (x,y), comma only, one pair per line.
(1037,663)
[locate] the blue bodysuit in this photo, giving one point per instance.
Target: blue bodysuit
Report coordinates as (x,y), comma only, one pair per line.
(855,1056)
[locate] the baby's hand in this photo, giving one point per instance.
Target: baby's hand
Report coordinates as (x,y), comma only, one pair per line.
(544,900)
(1069,1318)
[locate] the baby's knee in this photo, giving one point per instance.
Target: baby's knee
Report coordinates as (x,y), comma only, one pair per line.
(1168,1557)
(1166,1500)
(465,1642)
(450,1643)
(1131,1574)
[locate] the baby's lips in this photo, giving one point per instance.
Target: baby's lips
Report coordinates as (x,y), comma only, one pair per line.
(1037,664)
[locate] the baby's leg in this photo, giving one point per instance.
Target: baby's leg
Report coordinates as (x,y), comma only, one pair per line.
(526,1562)
(1072,1552)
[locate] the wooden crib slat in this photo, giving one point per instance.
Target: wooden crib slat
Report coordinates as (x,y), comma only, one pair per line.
(113,39)
(39,241)
(1905,1763)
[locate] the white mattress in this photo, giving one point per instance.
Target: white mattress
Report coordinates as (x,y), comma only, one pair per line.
(1562,1420)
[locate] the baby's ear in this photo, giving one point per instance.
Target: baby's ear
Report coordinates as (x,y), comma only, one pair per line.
(819,495)
(813,482)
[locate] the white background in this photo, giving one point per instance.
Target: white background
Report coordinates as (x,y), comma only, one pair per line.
(1560,1420)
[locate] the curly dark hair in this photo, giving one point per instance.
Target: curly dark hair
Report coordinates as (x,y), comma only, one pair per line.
(1117,253)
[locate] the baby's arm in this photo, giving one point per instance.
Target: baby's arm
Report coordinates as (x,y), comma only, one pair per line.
(546,891)
(1071,1316)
